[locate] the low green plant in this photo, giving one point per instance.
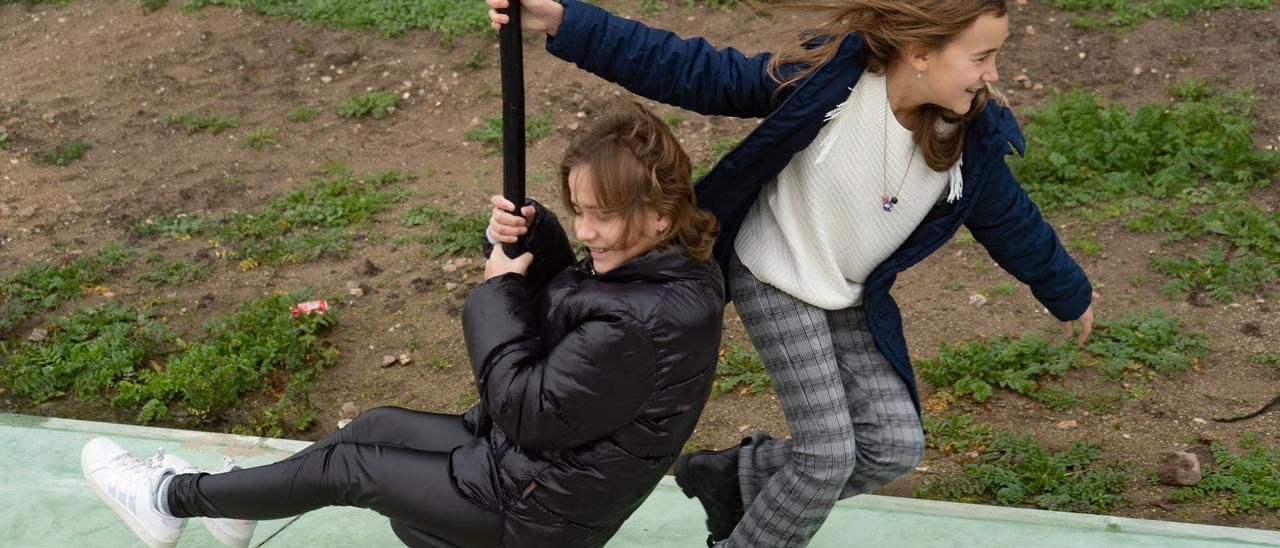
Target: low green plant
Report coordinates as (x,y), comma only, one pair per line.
(1084,153)
(259,139)
(62,154)
(85,354)
(450,234)
(1013,470)
(673,119)
(741,367)
(178,226)
(1142,341)
(149,6)
(955,434)
(195,122)
(978,367)
(490,133)
(649,8)
(1127,13)
(447,18)
(474,61)
(719,149)
(302,113)
(373,103)
(34,288)
(4,140)
(1214,274)
(176,273)
(298,226)
(1241,483)
(1267,358)
(1003,289)
(260,346)
(1105,401)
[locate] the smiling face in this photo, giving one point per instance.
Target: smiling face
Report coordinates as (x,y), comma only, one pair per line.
(954,74)
(604,232)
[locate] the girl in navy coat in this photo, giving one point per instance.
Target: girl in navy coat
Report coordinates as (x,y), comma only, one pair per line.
(881,136)
(591,377)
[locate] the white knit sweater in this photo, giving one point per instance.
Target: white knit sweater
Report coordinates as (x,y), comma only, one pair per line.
(819,229)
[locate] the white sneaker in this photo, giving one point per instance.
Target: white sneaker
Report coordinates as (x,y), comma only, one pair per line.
(128,485)
(231,532)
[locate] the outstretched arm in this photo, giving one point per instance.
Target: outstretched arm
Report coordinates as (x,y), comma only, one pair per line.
(1009,225)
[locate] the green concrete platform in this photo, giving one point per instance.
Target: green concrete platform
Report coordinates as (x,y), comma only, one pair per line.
(47,504)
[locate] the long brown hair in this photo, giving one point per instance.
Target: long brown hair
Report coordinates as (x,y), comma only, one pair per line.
(887,27)
(637,165)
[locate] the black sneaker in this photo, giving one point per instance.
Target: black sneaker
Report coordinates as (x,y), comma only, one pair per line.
(712,477)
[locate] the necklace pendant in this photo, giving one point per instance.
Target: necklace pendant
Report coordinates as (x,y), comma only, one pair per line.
(888,206)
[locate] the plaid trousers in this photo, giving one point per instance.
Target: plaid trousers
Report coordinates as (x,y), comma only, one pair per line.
(853,425)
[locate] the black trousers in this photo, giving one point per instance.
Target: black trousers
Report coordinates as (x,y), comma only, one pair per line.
(391,460)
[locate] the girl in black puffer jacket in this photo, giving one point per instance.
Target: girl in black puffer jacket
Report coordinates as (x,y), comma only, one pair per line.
(591,376)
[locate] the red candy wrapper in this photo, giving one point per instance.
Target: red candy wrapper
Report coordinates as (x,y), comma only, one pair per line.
(302,309)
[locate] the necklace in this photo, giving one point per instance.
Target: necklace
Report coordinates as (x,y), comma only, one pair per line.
(887,201)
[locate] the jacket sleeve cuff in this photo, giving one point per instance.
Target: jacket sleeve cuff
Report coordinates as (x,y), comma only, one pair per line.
(1072,307)
(579,23)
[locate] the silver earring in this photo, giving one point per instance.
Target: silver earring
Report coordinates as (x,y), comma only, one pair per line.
(920,74)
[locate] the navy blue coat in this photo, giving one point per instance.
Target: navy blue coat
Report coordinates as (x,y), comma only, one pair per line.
(692,74)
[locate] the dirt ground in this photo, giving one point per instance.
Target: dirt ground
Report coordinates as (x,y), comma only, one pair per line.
(106,73)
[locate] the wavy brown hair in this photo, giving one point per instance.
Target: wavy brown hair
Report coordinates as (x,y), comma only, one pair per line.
(637,165)
(887,28)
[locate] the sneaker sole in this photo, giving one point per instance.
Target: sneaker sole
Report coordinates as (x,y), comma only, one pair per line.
(127,518)
(223,536)
(691,490)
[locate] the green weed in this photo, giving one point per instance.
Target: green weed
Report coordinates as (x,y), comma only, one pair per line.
(43,287)
(1214,274)
(1145,341)
(177,226)
(721,147)
(649,8)
(451,233)
(176,273)
(955,434)
(743,367)
(298,226)
(1126,13)
(491,132)
(302,114)
(1082,153)
(149,6)
(260,138)
(1013,470)
(475,61)
(86,354)
(259,346)
(1267,358)
(195,122)
(1241,483)
(448,18)
(977,368)
(62,154)
(373,103)
(673,119)
(4,141)
(1003,289)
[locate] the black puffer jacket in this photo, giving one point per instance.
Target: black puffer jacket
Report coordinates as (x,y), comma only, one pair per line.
(593,385)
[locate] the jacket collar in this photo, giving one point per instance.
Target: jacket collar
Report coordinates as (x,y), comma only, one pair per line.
(662,263)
